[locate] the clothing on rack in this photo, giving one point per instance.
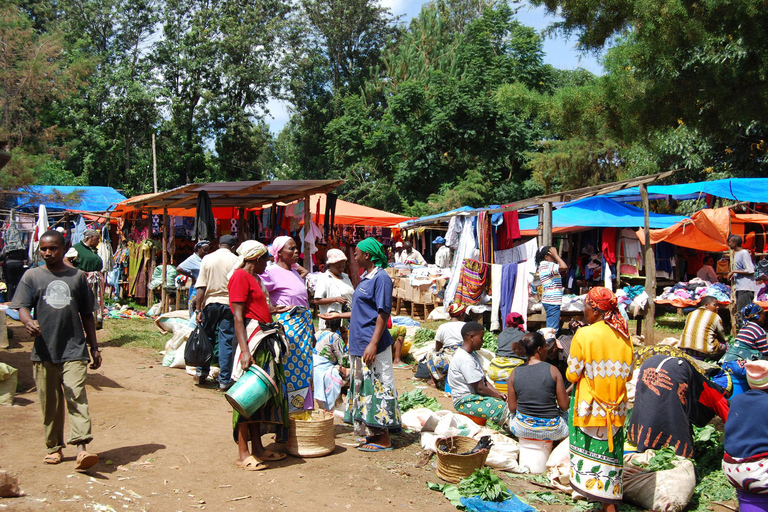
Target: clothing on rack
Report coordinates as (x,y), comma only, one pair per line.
(508,280)
(609,245)
(472,282)
(484,238)
(205,223)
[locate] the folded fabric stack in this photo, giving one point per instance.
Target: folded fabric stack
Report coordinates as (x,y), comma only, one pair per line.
(695,289)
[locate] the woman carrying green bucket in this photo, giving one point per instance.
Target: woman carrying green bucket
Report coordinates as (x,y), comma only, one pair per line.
(259,395)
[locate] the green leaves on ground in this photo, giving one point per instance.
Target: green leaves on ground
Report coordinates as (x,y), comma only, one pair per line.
(484,483)
(423,336)
(415,399)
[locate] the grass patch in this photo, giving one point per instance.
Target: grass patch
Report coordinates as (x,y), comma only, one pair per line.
(132,332)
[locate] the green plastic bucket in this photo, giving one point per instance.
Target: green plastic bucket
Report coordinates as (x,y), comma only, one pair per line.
(251,391)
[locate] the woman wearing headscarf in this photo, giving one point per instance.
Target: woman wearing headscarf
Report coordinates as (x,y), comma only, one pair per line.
(599,364)
(286,288)
(510,353)
(257,344)
(745,462)
(333,291)
(447,339)
(750,344)
(372,397)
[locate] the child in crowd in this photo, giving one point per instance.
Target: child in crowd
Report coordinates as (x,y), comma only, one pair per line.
(330,364)
(472,394)
(64,329)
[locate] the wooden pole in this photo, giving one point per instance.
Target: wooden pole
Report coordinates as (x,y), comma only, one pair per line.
(650,271)
(241,225)
(547,221)
(151,266)
(305,243)
(540,227)
(154,163)
(163,292)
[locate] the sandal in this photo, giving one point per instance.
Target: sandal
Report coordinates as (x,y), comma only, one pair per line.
(373,447)
(86,460)
(272,456)
(53,458)
(252,464)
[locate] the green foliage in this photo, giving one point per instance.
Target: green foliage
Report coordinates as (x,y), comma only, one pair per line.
(415,399)
(423,336)
(712,484)
(661,461)
(485,484)
(490,341)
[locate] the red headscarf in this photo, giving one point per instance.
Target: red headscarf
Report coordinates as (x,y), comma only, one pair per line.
(515,320)
(456,310)
(603,299)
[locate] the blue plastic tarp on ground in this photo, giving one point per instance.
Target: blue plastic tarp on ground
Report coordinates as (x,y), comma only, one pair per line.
(601,212)
(740,189)
(89,199)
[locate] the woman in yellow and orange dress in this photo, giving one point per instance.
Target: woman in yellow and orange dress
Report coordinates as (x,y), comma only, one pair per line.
(599,364)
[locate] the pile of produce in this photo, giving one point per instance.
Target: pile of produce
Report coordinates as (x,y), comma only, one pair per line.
(416,398)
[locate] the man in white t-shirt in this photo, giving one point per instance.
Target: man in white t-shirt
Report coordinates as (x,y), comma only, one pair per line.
(443,254)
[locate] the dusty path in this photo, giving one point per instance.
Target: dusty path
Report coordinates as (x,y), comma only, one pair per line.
(167,445)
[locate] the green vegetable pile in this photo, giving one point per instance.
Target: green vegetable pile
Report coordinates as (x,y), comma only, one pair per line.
(490,341)
(662,461)
(712,485)
(483,483)
(423,336)
(416,398)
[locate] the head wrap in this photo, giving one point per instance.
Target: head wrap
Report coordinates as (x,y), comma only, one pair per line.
(751,311)
(456,309)
(604,300)
(248,251)
(373,247)
(277,246)
(335,256)
(757,374)
(515,320)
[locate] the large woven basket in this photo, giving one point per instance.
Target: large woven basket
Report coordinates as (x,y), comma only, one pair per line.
(312,438)
(452,467)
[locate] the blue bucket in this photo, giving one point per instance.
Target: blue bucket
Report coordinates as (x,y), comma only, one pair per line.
(251,391)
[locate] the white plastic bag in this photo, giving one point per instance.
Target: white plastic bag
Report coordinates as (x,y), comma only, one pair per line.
(661,491)
(559,466)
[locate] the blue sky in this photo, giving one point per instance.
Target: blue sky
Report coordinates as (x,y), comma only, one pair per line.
(558,51)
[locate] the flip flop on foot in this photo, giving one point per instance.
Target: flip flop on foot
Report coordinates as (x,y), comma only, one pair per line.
(53,458)
(361,440)
(272,456)
(252,464)
(373,447)
(86,460)
(401,366)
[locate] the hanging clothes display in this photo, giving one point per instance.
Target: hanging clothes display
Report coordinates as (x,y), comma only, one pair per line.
(520,297)
(632,260)
(466,249)
(104,250)
(472,282)
(484,237)
(330,213)
(609,245)
(79,231)
(507,295)
(508,232)
(496,283)
(40,227)
(205,224)
(452,236)
(12,235)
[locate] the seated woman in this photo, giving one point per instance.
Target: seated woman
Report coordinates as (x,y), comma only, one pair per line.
(330,364)
(670,397)
(256,345)
(510,353)
(472,395)
(537,396)
(398,333)
(448,338)
(750,345)
(745,462)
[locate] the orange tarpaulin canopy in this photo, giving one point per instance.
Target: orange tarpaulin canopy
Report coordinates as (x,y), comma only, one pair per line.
(346,213)
(706,230)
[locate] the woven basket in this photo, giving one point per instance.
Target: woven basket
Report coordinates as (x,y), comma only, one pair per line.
(452,467)
(315,438)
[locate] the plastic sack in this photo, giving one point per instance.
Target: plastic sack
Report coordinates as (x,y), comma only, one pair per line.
(420,420)
(9,377)
(199,350)
(503,454)
(513,504)
(178,357)
(661,491)
(559,466)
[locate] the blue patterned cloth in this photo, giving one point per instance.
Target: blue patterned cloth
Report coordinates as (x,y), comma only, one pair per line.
(543,429)
(300,334)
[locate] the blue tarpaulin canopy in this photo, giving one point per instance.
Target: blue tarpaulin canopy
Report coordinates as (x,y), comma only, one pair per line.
(740,189)
(88,199)
(464,210)
(600,212)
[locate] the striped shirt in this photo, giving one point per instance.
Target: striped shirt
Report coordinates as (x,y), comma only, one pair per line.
(753,336)
(551,283)
(703,328)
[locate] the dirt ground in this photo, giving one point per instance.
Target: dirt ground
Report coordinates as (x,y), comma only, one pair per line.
(166,445)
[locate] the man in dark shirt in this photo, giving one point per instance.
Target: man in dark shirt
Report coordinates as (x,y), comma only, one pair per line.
(64,328)
(88,259)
